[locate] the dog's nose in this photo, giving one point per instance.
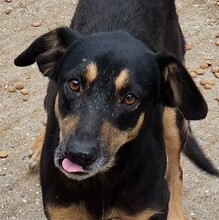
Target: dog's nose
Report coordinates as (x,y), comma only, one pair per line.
(83,154)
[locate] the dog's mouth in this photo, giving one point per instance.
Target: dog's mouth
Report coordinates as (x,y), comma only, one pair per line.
(71,167)
(75,171)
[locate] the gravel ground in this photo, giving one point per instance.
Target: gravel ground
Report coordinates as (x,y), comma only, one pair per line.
(21,116)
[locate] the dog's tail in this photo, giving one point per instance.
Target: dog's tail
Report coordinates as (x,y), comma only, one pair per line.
(194,152)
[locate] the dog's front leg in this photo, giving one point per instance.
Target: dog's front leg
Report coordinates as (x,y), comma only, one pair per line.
(174,171)
(35,151)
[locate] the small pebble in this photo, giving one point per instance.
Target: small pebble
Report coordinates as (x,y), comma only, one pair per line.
(37,201)
(8,11)
(2,174)
(28,76)
(209,62)
(188,46)
(210,82)
(19,86)
(8,0)
(200,71)
(11,89)
(24,200)
(25,98)
(217,74)
(217,43)
(24,91)
(35,24)
(217,35)
(203,82)
(193,74)
(208,86)
(193,215)
(44,121)
(215,69)
(217,98)
(204,65)
(3,154)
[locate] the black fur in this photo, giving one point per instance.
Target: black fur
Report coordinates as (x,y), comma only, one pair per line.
(115,35)
(193,151)
(116,187)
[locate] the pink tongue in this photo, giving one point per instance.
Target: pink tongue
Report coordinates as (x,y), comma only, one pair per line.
(71,167)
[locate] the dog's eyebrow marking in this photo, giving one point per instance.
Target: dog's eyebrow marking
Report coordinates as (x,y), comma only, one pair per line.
(121,80)
(90,72)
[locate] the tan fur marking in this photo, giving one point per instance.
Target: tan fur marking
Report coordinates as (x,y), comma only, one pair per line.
(68,213)
(54,50)
(66,125)
(174,84)
(91,73)
(121,80)
(35,151)
(134,132)
(173,172)
(116,214)
(51,39)
(56,108)
(115,138)
(79,213)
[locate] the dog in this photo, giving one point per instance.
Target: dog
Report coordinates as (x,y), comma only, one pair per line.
(118,103)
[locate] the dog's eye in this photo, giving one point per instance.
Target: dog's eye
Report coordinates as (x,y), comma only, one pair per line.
(129,99)
(74,85)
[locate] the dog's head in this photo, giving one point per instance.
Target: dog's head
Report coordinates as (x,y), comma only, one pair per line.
(108,85)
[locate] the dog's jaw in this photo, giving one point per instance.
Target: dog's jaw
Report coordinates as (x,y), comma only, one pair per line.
(101,165)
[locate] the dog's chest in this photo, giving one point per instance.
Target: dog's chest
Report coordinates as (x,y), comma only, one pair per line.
(79,212)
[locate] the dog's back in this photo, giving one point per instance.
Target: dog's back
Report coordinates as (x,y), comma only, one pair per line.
(153,22)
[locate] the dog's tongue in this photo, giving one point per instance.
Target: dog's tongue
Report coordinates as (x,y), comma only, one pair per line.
(71,167)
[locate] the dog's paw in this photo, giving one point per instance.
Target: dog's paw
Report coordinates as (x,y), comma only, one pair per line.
(35,151)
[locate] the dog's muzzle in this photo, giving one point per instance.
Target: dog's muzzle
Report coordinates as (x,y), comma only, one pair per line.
(80,159)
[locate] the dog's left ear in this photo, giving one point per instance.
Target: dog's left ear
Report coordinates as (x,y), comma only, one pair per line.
(179,89)
(47,50)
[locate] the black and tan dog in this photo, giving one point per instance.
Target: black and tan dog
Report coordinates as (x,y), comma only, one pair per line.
(115,101)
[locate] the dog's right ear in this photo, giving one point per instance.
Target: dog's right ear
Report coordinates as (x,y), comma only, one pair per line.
(47,50)
(179,90)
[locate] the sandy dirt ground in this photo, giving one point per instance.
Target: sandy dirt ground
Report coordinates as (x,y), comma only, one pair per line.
(21,116)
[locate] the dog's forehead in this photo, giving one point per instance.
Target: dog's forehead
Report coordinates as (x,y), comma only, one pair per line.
(118,50)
